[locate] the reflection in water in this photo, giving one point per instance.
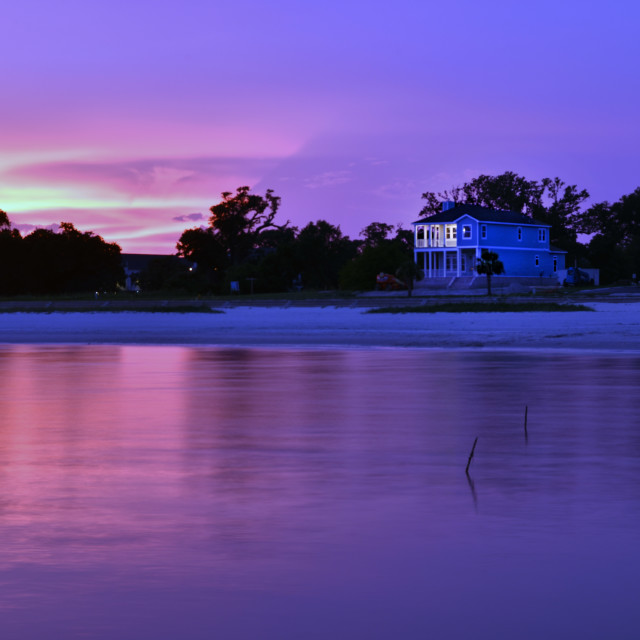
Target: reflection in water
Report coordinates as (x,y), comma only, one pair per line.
(164,492)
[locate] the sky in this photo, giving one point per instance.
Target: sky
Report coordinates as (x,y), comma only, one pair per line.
(129,118)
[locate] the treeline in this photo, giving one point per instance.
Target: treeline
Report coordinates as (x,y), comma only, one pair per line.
(45,262)
(604,236)
(243,243)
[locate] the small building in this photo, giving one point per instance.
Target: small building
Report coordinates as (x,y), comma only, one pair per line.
(449,243)
(135,263)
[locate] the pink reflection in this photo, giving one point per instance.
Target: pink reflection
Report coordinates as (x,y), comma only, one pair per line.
(163,492)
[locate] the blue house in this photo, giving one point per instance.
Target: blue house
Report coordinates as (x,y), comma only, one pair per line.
(450,242)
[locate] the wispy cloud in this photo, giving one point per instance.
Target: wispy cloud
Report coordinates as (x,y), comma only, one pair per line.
(328,179)
(190,217)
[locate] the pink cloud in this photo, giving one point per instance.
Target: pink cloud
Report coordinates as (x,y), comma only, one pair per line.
(192,177)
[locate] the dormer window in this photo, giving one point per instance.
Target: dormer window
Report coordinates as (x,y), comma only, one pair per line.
(519,234)
(542,235)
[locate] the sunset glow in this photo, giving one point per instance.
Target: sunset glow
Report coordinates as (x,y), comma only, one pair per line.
(121,117)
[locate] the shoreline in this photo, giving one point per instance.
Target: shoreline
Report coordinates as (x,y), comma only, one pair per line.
(612,327)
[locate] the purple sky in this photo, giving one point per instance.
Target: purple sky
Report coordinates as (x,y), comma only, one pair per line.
(127,118)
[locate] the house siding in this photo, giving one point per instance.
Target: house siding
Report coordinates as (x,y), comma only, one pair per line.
(517,242)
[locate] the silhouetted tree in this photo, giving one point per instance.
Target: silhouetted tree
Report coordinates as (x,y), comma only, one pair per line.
(321,251)
(11,268)
(69,261)
(238,227)
(168,273)
(615,245)
(379,252)
(551,201)
(203,247)
(240,218)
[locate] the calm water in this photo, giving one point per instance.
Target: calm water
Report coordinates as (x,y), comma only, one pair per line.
(164,492)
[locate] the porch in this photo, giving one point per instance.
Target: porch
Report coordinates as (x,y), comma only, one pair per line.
(447,263)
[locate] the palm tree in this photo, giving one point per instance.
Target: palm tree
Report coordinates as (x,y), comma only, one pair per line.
(489,265)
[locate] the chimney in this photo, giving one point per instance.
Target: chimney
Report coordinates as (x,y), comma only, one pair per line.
(448,204)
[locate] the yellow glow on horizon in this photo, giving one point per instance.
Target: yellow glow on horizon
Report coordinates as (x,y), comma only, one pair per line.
(15,201)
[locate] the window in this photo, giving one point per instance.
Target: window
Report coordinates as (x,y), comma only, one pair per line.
(483,231)
(537,261)
(452,232)
(555,264)
(519,234)
(466,231)
(542,235)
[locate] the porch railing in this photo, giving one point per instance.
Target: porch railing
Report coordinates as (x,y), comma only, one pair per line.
(425,244)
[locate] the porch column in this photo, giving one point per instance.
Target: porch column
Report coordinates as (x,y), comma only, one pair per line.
(458,258)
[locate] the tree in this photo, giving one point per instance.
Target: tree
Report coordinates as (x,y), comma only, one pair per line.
(615,245)
(11,271)
(490,265)
(376,234)
(277,266)
(239,219)
(378,252)
(409,272)
(550,201)
(241,228)
(168,273)
(203,247)
(321,251)
(69,261)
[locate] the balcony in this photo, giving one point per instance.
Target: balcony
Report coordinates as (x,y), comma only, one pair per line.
(435,243)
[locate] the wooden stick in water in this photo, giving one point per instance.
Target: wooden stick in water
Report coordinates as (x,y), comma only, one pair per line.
(475,442)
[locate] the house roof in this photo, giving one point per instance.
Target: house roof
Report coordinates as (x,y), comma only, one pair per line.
(482,214)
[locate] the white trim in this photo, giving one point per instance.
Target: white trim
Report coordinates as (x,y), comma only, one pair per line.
(466,215)
(494,248)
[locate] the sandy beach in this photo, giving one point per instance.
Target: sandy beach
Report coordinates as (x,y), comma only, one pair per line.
(610,327)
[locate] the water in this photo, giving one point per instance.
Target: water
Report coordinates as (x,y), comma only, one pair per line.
(171,492)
